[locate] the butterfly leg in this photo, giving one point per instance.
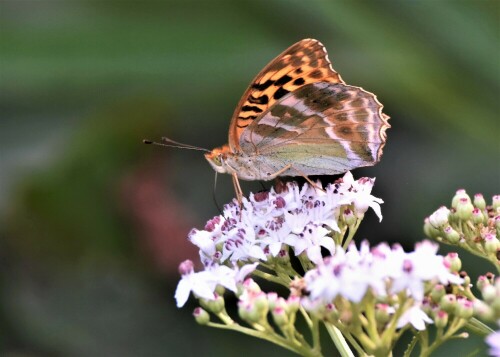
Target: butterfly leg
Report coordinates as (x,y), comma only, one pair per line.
(279,172)
(289,166)
(238,190)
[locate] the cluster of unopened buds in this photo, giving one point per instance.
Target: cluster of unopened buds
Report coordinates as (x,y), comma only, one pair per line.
(366,297)
(470,224)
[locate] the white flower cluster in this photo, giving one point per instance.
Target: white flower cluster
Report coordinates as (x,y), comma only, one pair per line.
(383,271)
(301,218)
(267,225)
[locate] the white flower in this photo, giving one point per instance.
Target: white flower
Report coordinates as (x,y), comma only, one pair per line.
(203,283)
(411,270)
(203,240)
(337,275)
(270,222)
(364,199)
(493,340)
(240,245)
(311,241)
(386,271)
(297,221)
(414,316)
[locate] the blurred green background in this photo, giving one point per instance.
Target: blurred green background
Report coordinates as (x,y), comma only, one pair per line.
(94,224)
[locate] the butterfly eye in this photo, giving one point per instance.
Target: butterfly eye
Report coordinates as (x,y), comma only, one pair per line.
(218,159)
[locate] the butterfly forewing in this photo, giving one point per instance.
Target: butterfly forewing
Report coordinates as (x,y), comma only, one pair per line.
(321,128)
(301,64)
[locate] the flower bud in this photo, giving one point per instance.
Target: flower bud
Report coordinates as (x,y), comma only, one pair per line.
(272,297)
(429,230)
(243,311)
(464,308)
(451,235)
(279,316)
(491,277)
(186,267)
(437,292)
(383,313)
(489,293)
(293,303)
(477,216)
(453,262)
(248,312)
(482,282)
(448,303)
(201,316)
(251,286)
(464,209)
(479,201)
(441,319)
(215,306)
(280,304)
(261,303)
(458,196)
(482,310)
(491,243)
(497,224)
(349,217)
(495,202)
(220,290)
(331,313)
(440,217)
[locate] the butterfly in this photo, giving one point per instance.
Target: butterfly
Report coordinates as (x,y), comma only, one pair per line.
(299,118)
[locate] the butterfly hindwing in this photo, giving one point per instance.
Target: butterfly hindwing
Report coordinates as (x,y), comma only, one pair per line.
(321,128)
(301,64)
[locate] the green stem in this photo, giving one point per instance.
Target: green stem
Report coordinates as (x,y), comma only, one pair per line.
(479,328)
(264,335)
(371,328)
(354,343)
(352,231)
(339,341)
(315,335)
(411,346)
(269,277)
(306,317)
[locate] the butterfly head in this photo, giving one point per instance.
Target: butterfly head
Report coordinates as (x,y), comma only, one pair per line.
(217,159)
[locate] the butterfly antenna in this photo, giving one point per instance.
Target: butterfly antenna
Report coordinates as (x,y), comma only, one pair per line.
(174,144)
(214,196)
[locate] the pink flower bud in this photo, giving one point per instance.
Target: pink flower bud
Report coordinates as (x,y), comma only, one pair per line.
(201,316)
(186,267)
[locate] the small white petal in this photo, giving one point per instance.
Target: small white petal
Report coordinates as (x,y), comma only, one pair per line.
(182,292)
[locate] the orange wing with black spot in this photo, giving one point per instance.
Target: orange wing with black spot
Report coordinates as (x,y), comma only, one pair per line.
(302,63)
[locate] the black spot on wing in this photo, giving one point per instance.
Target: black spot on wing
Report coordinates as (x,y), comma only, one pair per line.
(263,86)
(283,80)
(251,108)
(263,99)
(299,81)
(280,93)
(250,117)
